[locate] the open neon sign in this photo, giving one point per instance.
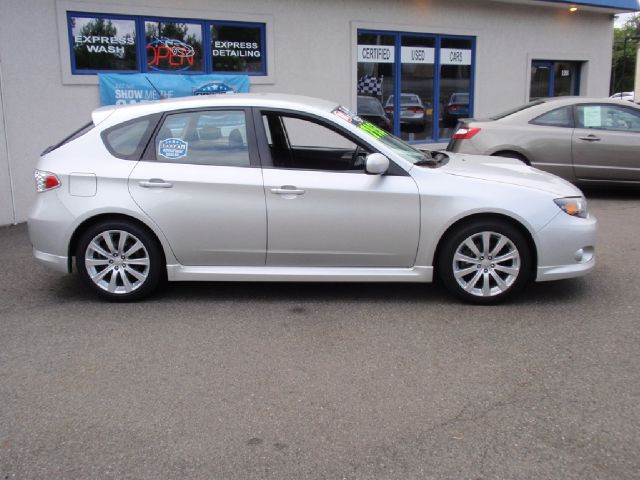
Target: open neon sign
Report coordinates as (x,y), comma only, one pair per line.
(169,54)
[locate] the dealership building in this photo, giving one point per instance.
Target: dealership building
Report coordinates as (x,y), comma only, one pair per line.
(438,59)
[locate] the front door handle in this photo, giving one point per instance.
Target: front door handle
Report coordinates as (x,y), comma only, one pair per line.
(287,190)
(590,138)
(155,183)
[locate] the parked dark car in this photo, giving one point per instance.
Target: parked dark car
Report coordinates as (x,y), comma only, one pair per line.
(370,109)
(457,108)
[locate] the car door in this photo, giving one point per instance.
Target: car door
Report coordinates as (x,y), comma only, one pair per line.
(547,141)
(606,142)
(201,183)
(323,209)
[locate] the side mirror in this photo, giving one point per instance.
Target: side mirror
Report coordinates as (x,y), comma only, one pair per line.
(376,164)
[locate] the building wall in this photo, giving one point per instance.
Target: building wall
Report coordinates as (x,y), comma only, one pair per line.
(313,53)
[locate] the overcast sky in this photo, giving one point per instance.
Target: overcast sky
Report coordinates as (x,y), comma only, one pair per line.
(623,17)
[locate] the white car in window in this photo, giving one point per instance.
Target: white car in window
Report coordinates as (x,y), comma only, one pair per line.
(283,188)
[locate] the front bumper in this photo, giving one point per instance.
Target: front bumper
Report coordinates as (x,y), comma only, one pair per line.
(566,247)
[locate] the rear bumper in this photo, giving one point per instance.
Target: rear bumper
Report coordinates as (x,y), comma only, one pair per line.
(49,226)
(55,262)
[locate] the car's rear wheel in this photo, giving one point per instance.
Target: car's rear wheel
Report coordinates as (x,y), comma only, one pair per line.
(120,261)
(485,261)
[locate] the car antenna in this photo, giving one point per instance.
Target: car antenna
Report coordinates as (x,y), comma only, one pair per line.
(162,97)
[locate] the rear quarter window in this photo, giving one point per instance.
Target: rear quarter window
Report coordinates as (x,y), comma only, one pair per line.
(560,117)
(129,139)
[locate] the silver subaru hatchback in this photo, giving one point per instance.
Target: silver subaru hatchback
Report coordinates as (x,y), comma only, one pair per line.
(265,187)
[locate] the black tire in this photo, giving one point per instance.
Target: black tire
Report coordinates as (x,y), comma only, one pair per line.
(122,274)
(485,271)
(514,155)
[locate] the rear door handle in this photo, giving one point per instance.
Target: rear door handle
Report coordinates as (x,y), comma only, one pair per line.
(155,183)
(287,190)
(590,138)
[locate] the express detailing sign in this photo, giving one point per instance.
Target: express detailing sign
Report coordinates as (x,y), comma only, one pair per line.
(123,88)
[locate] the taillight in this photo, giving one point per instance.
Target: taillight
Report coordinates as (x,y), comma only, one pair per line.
(454,108)
(415,109)
(45,180)
(465,133)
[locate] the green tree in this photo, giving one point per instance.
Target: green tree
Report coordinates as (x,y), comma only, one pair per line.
(624,66)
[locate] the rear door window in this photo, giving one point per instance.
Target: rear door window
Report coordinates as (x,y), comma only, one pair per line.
(210,137)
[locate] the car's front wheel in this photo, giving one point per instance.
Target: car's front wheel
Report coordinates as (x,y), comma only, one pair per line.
(485,261)
(120,261)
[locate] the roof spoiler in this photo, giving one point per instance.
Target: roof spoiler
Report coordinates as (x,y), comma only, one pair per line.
(99,115)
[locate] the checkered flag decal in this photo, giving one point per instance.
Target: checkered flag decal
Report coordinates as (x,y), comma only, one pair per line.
(370,85)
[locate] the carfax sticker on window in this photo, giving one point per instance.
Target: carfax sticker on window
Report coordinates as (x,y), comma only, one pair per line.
(173,148)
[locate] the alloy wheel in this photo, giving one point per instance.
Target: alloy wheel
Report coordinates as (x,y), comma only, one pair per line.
(117,261)
(486,264)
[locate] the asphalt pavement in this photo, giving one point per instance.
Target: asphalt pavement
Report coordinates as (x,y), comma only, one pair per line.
(324,381)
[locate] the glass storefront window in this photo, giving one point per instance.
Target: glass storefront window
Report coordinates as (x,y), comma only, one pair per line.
(565,74)
(426,78)
(103,43)
(540,80)
(173,46)
(376,78)
(114,43)
(554,79)
(455,83)
(417,83)
(237,48)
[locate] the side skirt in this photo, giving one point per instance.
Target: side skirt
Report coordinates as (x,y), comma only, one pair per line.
(299,274)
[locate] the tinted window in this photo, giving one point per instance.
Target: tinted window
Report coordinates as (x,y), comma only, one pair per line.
(560,117)
(204,138)
(127,140)
(608,117)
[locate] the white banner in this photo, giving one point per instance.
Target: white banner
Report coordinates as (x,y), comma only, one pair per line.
(418,55)
(455,56)
(376,53)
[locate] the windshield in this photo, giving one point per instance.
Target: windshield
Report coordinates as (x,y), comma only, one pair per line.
(404,150)
(460,98)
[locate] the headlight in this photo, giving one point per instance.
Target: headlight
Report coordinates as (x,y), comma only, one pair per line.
(574,206)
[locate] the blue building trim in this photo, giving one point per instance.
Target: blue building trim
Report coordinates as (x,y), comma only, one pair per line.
(623,5)
(140,38)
